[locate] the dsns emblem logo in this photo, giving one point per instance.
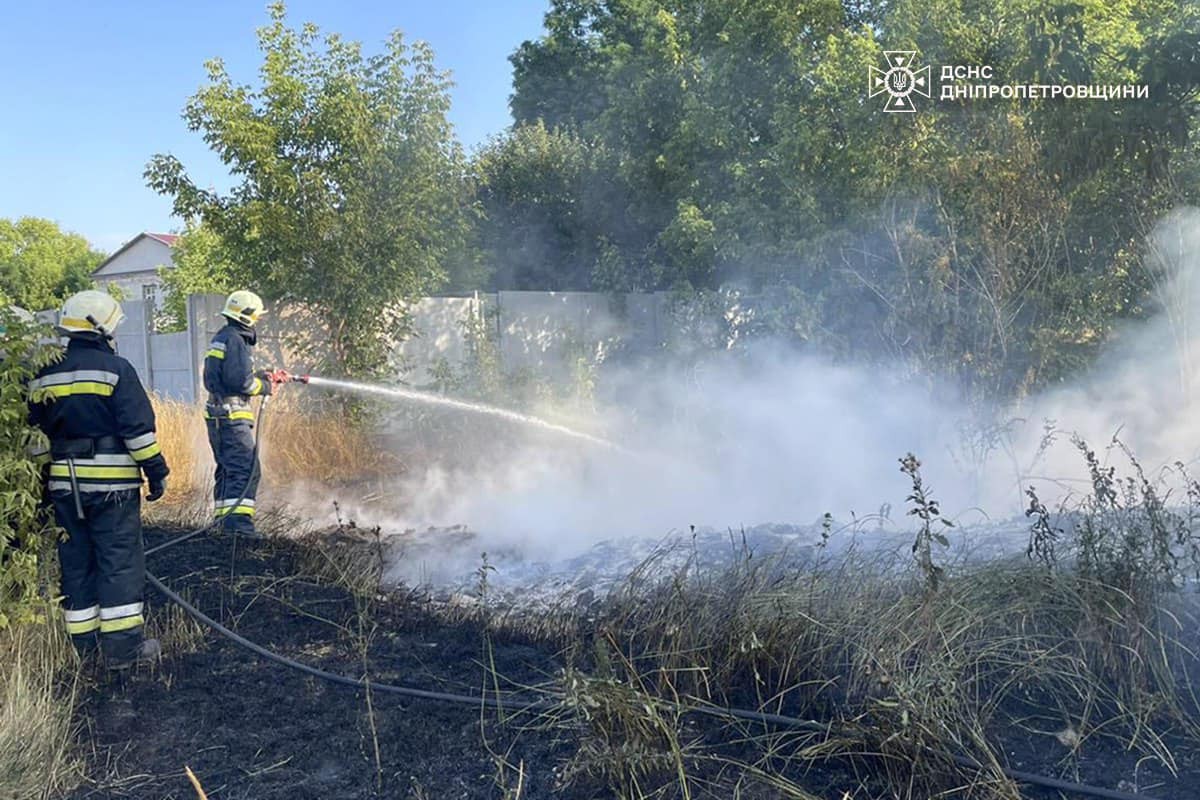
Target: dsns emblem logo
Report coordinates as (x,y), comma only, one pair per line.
(900,81)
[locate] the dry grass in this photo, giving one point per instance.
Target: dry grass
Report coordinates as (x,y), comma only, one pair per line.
(37,702)
(321,445)
(176,630)
(909,673)
(908,681)
(185,445)
(299,447)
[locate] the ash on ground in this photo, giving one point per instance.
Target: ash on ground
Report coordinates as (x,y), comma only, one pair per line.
(459,565)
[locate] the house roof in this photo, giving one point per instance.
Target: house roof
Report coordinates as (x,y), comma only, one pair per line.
(169,239)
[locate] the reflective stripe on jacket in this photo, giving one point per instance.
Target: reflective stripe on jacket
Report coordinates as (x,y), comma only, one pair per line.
(93,393)
(228,367)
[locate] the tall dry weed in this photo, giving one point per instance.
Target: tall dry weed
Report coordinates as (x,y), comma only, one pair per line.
(316,447)
(37,703)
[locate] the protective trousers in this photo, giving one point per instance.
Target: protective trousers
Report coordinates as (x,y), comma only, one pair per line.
(103,570)
(236,484)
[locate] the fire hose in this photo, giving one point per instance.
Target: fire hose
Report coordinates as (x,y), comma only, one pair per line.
(517,704)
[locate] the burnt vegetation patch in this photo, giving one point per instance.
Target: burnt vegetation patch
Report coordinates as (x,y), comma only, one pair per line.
(1076,661)
(252,730)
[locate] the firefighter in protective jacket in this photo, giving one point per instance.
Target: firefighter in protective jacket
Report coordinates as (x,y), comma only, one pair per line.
(231,381)
(100,425)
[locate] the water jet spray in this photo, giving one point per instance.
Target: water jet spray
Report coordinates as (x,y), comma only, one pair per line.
(427,398)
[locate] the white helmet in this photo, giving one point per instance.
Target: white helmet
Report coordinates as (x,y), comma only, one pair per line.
(244,306)
(91,311)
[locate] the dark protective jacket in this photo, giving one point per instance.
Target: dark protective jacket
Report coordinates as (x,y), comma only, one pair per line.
(93,408)
(228,369)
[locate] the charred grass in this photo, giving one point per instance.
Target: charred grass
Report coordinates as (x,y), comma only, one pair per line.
(913,677)
(1077,660)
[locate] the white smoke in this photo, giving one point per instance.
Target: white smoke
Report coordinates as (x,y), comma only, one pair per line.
(1144,387)
(774,440)
(769,436)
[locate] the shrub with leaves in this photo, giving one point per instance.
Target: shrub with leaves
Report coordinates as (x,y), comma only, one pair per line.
(24,524)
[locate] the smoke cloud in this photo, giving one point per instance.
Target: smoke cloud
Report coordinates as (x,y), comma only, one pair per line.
(1144,386)
(769,436)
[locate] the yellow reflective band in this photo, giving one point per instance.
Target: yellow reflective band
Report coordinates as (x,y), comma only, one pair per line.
(232,415)
(149,451)
(75,376)
(224,512)
(64,471)
(123,624)
(68,389)
(138,442)
(77,323)
(215,354)
(87,626)
(256,387)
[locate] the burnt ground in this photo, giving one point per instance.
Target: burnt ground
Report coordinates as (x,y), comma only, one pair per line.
(251,729)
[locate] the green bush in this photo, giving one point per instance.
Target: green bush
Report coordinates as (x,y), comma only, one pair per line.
(24,523)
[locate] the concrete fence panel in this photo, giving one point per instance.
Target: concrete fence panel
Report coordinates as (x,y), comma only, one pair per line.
(541,333)
(171,366)
(440,334)
(132,339)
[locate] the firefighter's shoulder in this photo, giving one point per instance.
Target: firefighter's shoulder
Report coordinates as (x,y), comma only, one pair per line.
(124,367)
(219,345)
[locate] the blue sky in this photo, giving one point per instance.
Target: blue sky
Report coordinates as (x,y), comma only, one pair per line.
(90,90)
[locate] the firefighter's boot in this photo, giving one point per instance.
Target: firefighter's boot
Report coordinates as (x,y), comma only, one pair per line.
(147,652)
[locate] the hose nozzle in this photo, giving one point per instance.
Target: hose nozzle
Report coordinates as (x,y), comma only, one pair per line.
(278,376)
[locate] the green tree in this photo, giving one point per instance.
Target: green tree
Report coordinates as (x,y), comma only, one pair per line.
(690,101)
(994,241)
(40,264)
(24,523)
(352,188)
(201,266)
(535,228)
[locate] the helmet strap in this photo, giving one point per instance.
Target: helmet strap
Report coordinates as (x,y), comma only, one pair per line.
(99,328)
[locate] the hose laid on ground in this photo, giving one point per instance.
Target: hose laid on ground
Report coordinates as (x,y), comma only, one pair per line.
(720,712)
(255,471)
(332,677)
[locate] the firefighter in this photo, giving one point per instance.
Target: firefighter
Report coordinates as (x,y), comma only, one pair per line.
(231,381)
(100,425)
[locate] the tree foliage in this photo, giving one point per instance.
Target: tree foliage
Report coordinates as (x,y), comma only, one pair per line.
(351,182)
(40,264)
(201,266)
(24,521)
(539,192)
(661,144)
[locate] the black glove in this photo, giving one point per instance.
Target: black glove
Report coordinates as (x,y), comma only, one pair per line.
(158,487)
(264,377)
